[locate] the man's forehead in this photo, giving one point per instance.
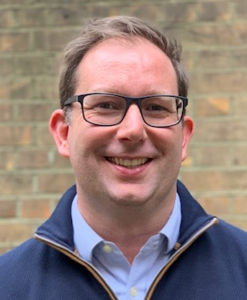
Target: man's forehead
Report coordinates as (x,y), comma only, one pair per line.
(136,62)
(106,51)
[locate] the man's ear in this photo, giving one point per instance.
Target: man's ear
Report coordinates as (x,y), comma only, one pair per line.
(59,130)
(188,129)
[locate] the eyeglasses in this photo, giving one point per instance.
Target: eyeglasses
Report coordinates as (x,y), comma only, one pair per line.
(107,109)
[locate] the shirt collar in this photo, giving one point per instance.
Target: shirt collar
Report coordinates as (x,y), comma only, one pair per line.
(86,239)
(172,226)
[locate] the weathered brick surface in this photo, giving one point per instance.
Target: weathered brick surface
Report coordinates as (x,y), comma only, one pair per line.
(15,184)
(211,11)
(30,159)
(14,42)
(15,88)
(35,209)
(7,161)
(7,209)
(240,206)
(17,232)
(48,183)
(217,180)
(32,64)
(15,136)
(6,112)
(32,36)
(32,112)
(216,205)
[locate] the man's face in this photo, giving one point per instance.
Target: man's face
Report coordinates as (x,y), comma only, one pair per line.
(101,156)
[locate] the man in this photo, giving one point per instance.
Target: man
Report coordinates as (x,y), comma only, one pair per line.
(127,229)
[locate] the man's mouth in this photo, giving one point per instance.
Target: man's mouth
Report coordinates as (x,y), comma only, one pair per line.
(129,163)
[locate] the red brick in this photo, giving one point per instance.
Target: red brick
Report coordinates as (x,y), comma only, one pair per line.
(34,112)
(6,112)
(240,205)
(240,105)
(7,18)
(213,106)
(14,42)
(147,11)
(215,205)
(14,184)
(55,183)
(36,64)
(177,12)
(7,161)
(211,155)
(16,232)
(218,82)
(68,15)
(209,34)
(53,40)
(14,2)
(46,88)
(7,209)
(212,180)
(21,135)
(215,131)
(7,66)
(239,156)
(240,10)
(211,59)
(239,58)
(32,159)
(35,209)
(213,11)
(190,59)
(31,17)
(11,88)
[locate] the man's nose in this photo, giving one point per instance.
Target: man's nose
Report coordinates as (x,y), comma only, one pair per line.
(132,128)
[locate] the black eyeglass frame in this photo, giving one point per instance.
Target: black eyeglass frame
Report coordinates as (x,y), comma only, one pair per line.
(129,101)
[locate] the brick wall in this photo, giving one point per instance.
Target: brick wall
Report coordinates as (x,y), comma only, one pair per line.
(32,35)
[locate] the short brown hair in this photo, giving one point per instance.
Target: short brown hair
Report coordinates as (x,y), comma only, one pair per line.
(101,29)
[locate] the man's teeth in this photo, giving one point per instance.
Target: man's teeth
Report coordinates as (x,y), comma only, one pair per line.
(129,163)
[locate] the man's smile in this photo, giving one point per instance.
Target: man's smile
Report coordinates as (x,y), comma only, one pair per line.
(129,163)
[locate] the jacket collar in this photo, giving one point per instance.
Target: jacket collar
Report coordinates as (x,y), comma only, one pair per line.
(59,228)
(193,215)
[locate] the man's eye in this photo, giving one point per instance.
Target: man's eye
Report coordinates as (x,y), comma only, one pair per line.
(106,106)
(155,108)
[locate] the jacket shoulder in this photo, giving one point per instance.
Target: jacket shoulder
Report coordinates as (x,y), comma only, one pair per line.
(231,236)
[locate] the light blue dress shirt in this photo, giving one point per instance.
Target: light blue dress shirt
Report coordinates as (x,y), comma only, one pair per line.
(127,281)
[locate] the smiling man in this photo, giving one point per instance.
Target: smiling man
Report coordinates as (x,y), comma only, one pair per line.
(128,229)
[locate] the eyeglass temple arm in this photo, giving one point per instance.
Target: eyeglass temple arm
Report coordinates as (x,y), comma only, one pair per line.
(71,100)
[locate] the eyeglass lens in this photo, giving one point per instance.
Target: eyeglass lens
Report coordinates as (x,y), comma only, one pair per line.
(110,109)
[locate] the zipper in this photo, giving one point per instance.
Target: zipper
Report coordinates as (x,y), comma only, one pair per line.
(176,255)
(99,278)
(78,259)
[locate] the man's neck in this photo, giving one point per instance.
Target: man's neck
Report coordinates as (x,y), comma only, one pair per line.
(128,228)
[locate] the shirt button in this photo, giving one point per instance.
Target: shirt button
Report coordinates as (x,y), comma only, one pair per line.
(133,291)
(107,249)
